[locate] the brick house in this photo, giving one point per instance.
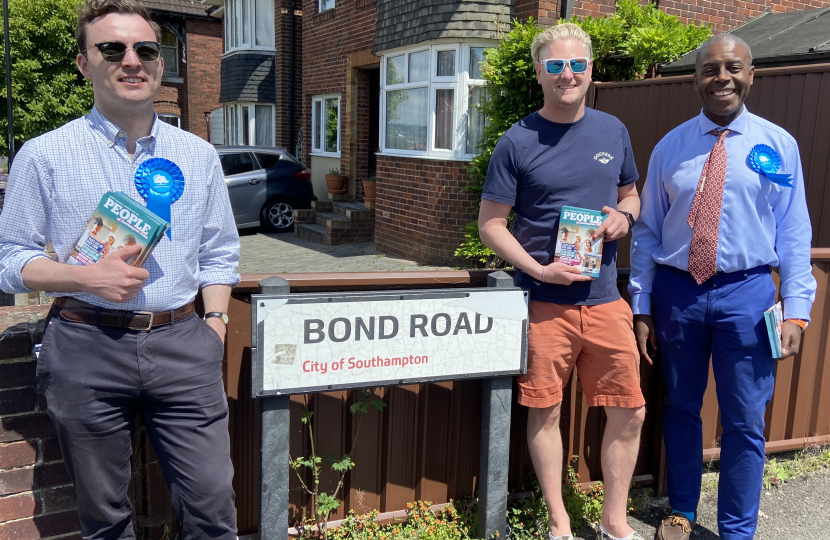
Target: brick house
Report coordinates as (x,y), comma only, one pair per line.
(261,72)
(389,88)
(191,45)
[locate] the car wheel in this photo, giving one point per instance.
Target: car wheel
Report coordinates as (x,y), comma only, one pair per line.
(278,215)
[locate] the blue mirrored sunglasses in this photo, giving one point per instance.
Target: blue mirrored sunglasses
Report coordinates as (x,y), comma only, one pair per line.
(555,66)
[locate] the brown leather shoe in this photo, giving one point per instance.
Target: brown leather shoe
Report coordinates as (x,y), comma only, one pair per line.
(675,527)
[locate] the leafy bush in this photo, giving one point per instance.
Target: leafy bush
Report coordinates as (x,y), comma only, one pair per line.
(625,45)
(636,38)
(421,523)
(47,88)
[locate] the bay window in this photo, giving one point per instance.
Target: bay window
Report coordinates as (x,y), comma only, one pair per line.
(249,124)
(249,25)
(430,95)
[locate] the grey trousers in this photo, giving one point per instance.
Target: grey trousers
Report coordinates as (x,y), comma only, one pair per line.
(96,379)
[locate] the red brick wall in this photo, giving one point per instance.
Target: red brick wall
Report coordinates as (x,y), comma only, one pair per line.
(37,499)
(283,16)
(546,13)
(201,74)
(727,14)
(329,37)
(594,8)
(421,208)
(170,100)
(722,14)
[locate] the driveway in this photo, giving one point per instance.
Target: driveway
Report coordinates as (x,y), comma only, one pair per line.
(263,253)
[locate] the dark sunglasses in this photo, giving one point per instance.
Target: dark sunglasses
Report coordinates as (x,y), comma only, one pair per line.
(555,66)
(114,51)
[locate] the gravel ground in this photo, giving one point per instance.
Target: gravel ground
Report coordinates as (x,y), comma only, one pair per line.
(798,510)
(263,252)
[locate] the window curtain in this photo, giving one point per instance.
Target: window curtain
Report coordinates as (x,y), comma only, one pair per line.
(264,126)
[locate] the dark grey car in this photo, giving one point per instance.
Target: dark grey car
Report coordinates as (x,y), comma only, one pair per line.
(265,184)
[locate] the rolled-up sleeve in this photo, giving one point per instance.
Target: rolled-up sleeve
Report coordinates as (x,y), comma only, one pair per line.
(647,236)
(24,224)
(793,235)
(219,248)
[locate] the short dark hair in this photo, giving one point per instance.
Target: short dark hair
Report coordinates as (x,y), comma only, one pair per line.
(721,38)
(90,10)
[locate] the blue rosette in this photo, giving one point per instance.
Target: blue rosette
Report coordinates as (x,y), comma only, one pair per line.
(764,160)
(161,183)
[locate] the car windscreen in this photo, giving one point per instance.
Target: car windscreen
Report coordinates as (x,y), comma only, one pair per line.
(237,163)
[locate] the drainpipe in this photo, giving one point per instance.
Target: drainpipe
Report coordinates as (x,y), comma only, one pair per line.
(567,8)
(291,85)
(9,106)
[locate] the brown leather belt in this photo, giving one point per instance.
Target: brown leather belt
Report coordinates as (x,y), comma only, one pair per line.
(77,311)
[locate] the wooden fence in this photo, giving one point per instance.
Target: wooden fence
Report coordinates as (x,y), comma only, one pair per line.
(425,445)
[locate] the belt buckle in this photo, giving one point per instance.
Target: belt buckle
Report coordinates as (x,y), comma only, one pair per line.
(150,325)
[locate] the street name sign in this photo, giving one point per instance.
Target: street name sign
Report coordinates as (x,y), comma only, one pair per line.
(333,341)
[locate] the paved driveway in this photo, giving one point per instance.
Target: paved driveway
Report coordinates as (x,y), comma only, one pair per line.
(263,252)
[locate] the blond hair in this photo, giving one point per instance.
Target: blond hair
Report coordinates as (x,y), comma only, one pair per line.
(555,33)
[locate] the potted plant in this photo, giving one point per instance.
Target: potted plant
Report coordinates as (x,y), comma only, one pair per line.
(335,182)
(370,188)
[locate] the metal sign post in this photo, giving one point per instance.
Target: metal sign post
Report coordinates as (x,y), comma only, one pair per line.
(276,431)
(306,342)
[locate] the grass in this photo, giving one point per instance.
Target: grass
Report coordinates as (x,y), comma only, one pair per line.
(804,463)
(778,469)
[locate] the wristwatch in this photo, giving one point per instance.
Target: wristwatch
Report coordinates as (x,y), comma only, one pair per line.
(629,217)
(217,314)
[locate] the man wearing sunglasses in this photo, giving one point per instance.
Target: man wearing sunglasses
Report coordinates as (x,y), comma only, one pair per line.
(567,154)
(714,222)
(122,341)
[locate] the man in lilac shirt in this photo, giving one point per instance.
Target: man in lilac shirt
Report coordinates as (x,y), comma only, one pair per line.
(706,270)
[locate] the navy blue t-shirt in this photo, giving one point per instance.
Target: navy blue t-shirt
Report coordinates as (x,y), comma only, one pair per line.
(538,167)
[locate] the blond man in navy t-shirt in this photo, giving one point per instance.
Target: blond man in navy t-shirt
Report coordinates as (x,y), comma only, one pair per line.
(565,154)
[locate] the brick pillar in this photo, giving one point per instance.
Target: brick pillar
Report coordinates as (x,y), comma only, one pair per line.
(37,499)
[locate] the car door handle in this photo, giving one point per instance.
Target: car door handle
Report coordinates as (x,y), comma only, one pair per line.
(255,181)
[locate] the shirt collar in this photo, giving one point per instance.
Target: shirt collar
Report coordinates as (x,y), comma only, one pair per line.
(113,135)
(738,125)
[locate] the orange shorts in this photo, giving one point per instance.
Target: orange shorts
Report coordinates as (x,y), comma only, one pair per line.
(598,340)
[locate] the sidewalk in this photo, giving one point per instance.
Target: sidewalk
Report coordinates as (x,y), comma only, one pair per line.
(265,253)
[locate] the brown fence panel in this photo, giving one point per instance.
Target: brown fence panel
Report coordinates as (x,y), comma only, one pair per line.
(795,98)
(425,445)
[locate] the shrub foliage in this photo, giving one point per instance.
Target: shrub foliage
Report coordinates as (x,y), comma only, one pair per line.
(47,88)
(625,45)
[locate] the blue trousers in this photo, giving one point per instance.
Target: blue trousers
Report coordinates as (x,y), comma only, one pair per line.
(722,318)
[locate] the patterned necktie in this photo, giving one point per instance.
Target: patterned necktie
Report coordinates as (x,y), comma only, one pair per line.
(704,217)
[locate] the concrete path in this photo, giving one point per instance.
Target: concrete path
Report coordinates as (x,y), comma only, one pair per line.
(263,252)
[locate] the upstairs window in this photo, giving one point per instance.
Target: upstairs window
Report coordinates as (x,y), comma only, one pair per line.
(430,97)
(326,5)
(170,52)
(249,25)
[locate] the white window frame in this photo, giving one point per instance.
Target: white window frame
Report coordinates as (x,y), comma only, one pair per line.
(235,27)
(321,5)
(318,125)
(178,118)
(460,82)
(171,71)
(234,123)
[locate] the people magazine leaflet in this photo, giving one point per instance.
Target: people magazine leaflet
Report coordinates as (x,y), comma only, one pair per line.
(578,243)
(117,223)
(774,317)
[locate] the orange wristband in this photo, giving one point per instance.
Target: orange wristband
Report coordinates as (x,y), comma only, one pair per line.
(800,322)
